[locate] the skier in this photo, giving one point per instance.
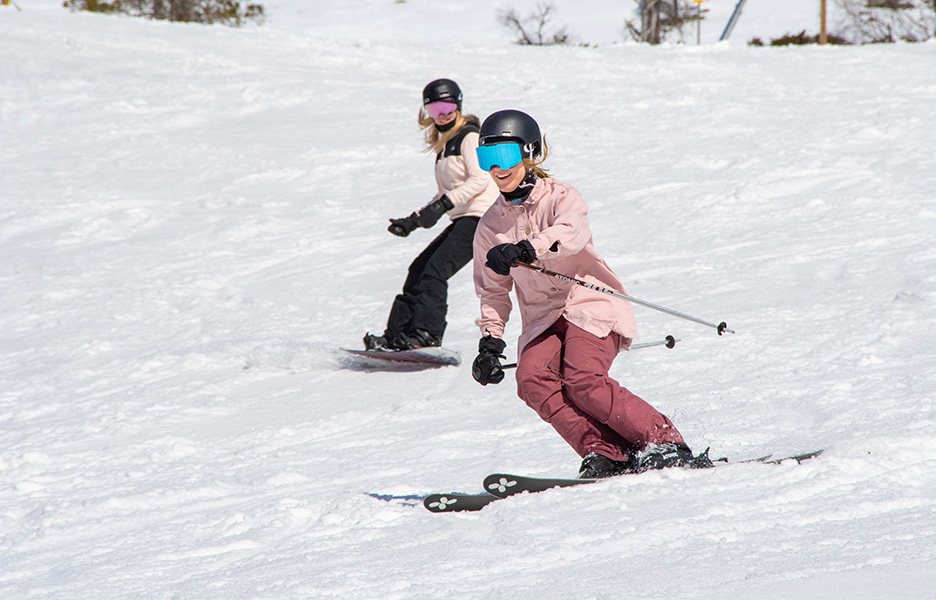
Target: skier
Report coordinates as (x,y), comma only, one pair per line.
(570,334)
(417,316)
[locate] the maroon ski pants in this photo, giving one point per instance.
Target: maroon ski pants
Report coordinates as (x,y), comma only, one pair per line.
(563,376)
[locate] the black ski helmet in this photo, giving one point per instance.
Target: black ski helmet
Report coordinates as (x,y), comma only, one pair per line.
(513,126)
(442,89)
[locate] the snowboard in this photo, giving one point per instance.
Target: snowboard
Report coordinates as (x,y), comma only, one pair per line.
(417,358)
(502,485)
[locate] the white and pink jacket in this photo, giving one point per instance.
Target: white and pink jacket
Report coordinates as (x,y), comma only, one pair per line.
(554,218)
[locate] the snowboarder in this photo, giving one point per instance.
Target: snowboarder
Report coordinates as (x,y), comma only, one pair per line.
(417,316)
(570,334)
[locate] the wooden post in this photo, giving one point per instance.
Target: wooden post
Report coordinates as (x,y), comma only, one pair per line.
(823,38)
(650,21)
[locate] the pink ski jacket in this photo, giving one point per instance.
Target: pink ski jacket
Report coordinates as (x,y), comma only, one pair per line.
(460,178)
(554,218)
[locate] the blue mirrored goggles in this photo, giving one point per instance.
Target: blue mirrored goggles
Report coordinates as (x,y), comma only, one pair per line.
(505,156)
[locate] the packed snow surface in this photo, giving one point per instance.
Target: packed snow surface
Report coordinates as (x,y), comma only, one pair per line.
(193,223)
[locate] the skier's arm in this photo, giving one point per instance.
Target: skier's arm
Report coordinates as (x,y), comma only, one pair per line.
(569,232)
(493,290)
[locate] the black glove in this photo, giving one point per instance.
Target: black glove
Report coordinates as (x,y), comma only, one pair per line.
(486,367)
(430,214)
(405,226)
(501,258)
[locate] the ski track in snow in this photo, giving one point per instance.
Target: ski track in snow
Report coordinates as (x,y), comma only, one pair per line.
(192,222)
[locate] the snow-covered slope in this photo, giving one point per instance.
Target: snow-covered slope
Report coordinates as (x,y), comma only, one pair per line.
(192,222)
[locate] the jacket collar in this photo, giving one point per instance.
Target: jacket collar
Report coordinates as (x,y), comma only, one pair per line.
(538,192)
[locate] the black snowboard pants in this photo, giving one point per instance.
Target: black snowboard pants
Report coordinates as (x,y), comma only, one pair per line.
(424,301)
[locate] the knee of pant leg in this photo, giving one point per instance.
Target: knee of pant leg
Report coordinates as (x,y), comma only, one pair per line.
(590,391)
(534,374)
(581,381)
(536,384)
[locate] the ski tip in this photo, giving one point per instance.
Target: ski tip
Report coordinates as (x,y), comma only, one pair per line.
(799,458)
(806,456)
(770,459)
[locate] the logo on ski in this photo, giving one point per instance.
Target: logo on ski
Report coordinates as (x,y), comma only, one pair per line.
(501,485)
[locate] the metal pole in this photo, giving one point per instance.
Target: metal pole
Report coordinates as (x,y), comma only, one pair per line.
(669,341)
(698,39)
(732,21)
(720,328)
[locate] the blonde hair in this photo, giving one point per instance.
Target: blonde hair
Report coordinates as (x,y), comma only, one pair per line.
(536,163)
(436,139)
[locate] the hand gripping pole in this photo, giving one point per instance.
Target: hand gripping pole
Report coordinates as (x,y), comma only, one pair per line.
(720,328)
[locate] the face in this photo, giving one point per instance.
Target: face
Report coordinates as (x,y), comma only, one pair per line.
(508,180)
(442,112)
(446,118)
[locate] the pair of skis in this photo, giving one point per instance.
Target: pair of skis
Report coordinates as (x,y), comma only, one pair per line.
(498,486)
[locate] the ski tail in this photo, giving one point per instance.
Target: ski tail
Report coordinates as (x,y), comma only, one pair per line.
(456,502)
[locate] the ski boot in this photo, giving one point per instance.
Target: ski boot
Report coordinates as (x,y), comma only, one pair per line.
(667,455)
(599,466)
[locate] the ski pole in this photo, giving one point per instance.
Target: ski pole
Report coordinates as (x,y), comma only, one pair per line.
(669,341)
(720,328)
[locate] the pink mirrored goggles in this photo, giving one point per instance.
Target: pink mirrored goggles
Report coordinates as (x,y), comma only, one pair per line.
(442,107)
